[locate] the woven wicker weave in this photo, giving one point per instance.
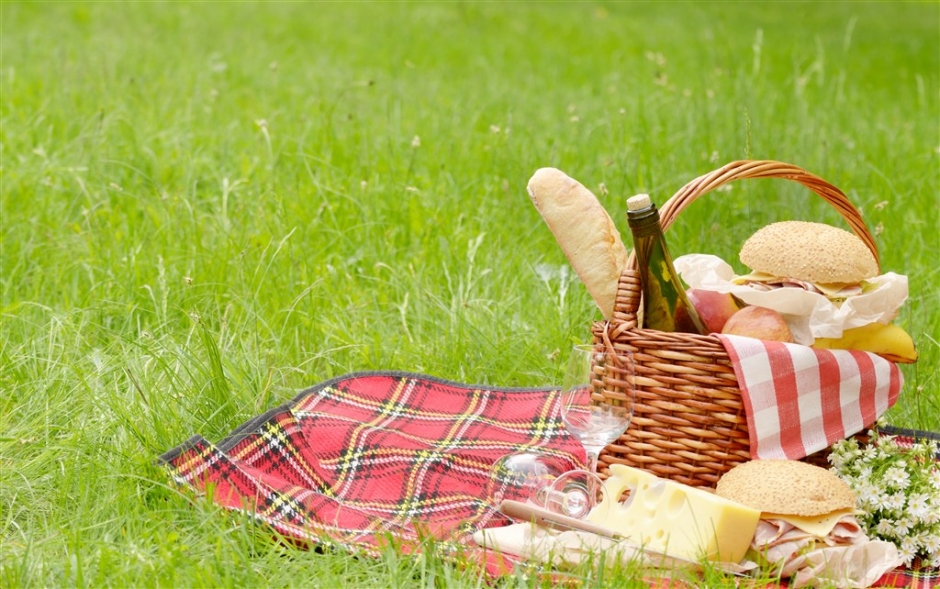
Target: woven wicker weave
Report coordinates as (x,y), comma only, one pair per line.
(689,424)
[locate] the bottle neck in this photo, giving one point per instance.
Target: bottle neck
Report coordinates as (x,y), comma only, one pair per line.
(644,222)
(665,305)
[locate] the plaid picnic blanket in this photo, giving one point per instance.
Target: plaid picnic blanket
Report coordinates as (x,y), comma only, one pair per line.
(369,459)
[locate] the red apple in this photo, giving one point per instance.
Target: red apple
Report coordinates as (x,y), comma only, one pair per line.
(715,308)
(759,322)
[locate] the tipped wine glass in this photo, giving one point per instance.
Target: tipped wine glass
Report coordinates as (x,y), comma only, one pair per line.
(598,397)
(577,493)
(544,481)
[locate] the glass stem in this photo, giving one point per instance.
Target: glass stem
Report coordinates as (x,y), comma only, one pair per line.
(592,459)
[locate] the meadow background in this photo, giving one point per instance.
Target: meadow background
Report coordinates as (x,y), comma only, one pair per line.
(207,207)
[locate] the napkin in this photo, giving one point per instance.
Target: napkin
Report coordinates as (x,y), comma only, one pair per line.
(799,400)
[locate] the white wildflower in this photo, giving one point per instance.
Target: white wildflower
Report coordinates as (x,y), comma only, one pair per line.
(888,443)
(885,527)
(908,550)
(902,527)
(918,506)
(898,491)
(866,492)
(897,477)
(879,500)
(907,555)
(931,543)
(895,502)
(909,544)
(837,459)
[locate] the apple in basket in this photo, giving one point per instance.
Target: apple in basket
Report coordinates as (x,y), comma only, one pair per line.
(715,308)
(759,322)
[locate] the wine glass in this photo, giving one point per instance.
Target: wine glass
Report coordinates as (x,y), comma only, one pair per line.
(577,493)
(545,481)
(524,476)
(598,397)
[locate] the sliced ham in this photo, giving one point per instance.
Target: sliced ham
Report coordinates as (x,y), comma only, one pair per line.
(835,292)
(847,531)
(845,557)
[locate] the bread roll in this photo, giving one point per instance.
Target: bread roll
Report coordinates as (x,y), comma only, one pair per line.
(813,252)
(584,231)
(786,487)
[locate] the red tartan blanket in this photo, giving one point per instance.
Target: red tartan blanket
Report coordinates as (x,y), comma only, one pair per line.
(369,458)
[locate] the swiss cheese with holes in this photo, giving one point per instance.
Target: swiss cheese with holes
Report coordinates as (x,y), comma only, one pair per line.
(677,520)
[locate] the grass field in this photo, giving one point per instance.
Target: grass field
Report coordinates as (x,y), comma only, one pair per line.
(207,207)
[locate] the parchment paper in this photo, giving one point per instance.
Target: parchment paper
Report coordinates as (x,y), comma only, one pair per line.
(809,315)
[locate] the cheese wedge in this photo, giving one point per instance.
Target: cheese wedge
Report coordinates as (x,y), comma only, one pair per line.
(818,525)
(675,519)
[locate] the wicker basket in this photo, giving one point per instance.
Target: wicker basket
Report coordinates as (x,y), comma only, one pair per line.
(689,424)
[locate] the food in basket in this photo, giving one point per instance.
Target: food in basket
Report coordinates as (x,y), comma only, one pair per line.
(828,261)
(715,308)
(812,256)
(808,530)
(759,322)
(832,315)
(888,341)
(585,232)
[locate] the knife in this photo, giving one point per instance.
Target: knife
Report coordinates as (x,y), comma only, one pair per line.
(545,518)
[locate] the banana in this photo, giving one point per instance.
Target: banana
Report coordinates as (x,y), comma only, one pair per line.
(889,341)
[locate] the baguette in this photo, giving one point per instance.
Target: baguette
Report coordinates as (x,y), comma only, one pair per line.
(585,232)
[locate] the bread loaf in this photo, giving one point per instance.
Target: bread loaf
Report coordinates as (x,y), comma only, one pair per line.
(584,231)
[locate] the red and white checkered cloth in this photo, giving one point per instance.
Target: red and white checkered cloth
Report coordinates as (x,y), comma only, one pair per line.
(799,400)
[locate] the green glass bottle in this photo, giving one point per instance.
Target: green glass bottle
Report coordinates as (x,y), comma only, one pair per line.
(665,304)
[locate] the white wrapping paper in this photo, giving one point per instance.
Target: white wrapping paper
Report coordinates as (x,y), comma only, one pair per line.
(550,546)
(555,547)
(809,315)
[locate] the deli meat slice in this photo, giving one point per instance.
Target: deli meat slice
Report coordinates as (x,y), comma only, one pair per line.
(845,558)
(778,540)
(768,531)
(847,531)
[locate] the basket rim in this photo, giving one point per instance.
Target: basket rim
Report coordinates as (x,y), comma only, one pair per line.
(761,169)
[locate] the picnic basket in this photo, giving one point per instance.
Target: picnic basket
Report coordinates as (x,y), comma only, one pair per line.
(689,423)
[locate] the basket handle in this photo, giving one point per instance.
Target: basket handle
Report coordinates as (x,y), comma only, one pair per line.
(744,169)
(628,292)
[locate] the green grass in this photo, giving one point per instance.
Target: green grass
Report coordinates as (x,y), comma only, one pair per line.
(207,207)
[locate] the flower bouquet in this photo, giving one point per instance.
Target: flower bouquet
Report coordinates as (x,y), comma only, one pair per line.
(898,491)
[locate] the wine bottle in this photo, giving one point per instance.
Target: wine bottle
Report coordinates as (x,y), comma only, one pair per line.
(665,304)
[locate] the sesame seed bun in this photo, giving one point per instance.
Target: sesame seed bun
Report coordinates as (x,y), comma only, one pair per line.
(786,487)
(813,252)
